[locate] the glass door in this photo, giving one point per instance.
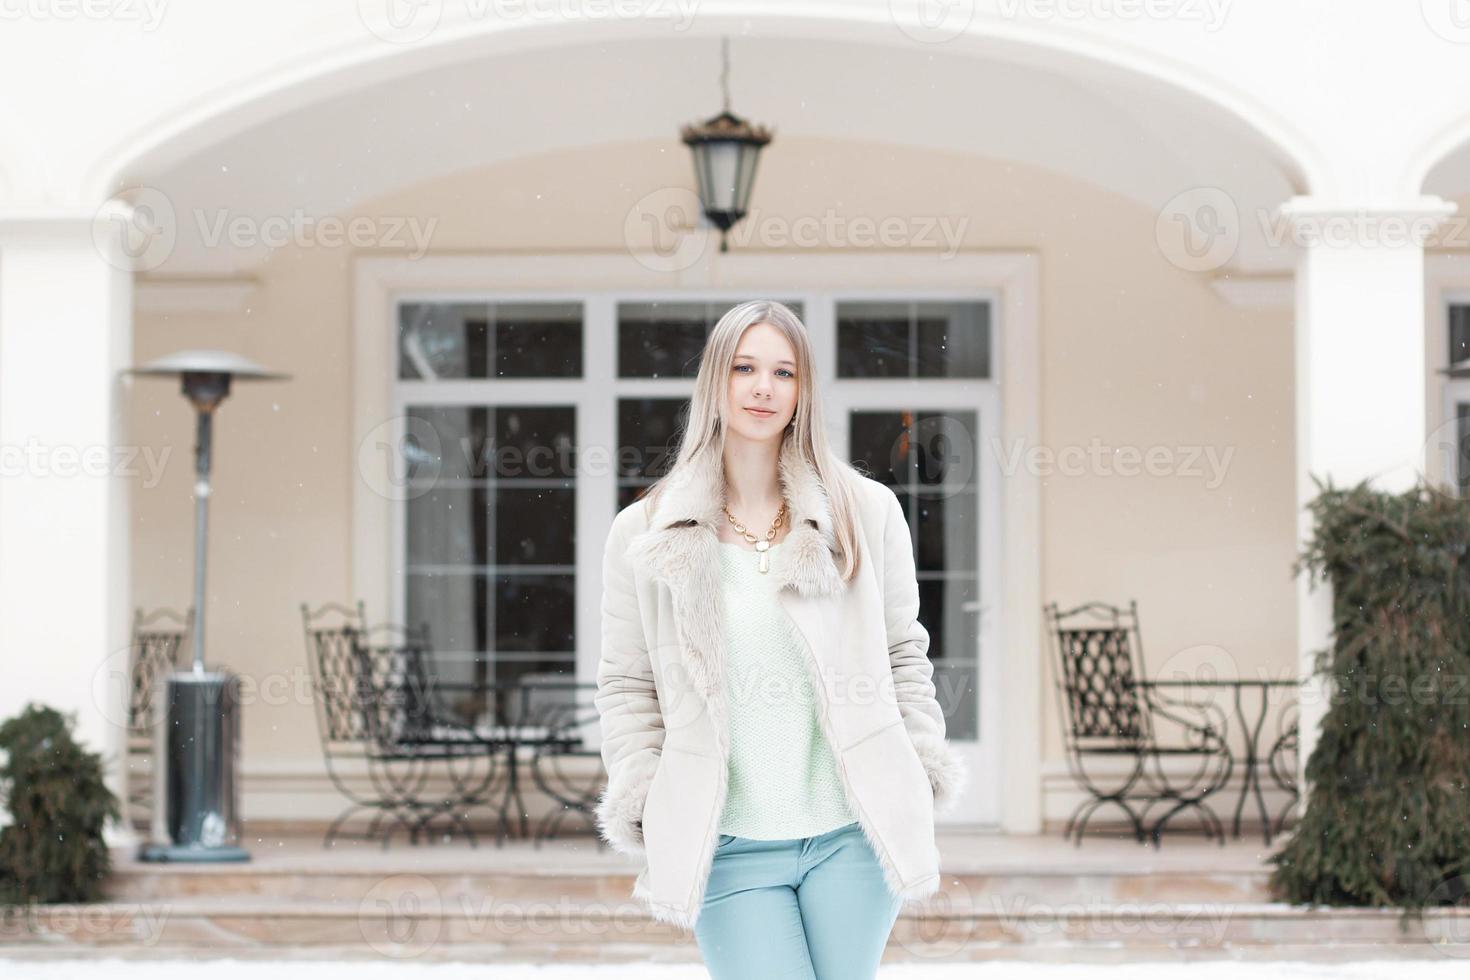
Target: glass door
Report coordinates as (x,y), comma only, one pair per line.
(913,396)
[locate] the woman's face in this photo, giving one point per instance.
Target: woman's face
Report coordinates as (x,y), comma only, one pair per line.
(762,377)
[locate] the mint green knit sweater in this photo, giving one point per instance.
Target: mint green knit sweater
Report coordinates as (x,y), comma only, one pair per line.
(783,778)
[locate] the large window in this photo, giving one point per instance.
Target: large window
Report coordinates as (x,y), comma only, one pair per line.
(926,448)
(490,504)
(496,395)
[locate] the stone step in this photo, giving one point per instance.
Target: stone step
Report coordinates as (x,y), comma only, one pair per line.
(403,920)
(1017,897)
(961,890)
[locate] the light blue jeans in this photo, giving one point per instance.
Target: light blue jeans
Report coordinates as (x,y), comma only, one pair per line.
(815,908)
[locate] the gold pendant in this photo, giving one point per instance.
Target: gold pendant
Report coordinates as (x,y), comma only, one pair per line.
(763,547)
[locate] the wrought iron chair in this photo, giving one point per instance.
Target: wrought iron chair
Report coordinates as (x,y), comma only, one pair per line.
(1110,711)
(407,722)
(155,651)
(565,765)
(343,701)
(1282,761)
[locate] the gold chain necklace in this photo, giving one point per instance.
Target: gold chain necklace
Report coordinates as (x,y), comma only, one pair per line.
(762,547)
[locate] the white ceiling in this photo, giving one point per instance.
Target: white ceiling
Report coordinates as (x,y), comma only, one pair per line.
(1121,133)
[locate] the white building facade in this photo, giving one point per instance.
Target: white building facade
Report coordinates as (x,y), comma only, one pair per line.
(1183,256)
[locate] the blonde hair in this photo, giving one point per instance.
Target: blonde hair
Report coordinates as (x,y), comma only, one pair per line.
(703,431)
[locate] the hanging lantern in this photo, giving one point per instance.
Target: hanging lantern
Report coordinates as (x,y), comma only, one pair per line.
(725,149)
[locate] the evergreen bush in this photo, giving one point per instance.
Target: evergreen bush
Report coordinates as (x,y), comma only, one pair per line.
(1387,820)
(51,849)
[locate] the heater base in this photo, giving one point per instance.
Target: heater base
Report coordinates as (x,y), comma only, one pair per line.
(192,854)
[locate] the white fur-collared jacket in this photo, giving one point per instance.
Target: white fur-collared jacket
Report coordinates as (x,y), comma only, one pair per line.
(661,699)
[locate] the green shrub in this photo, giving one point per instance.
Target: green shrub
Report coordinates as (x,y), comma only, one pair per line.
(1388,818)
(52,850)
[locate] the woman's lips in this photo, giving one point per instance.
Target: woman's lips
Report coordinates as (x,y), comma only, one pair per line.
(759,414)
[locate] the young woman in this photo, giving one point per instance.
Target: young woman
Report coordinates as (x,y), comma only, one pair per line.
(774,748)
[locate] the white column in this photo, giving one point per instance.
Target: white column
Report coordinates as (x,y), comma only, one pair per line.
(1360,388)
(65,332)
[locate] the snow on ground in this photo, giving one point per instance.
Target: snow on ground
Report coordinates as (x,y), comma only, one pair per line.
(225,969)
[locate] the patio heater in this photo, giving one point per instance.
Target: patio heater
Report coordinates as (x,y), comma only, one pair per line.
(197,744)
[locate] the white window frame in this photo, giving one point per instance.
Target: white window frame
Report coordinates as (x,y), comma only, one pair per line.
(1006,792)
(1448,285)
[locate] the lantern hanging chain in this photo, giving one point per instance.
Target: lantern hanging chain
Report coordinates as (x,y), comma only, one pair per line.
(725,71)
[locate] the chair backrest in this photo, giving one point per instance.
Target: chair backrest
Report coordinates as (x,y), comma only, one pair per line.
(1098,658)
(156,650)
(398,697)
(332,633)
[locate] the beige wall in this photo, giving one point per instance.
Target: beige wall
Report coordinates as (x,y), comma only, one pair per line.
(1134,352)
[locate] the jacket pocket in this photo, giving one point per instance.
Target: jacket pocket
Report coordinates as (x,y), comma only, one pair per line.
(676,820)
(894,793)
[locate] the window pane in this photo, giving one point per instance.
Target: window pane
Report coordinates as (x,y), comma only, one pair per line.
(945,449)
(949,610)
(451,604)
(442,340)
(930,339)
(873,342)
(463,340)
(665,340)
(534,442)
(1462,447)
(445,442)
(926,457)
(495,493)
(535,613)
(954,340)
(647,429)
(661,340)
(879,443)
(538,340)
(535,526)
(948,532)
(1459,332)
(446,526)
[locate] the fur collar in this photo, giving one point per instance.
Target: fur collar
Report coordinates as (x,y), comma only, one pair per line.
(681,549)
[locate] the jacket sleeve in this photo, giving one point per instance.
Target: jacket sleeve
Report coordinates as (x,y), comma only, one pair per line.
(908,655)
(631,723)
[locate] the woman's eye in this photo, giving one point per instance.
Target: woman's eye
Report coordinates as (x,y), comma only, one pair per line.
(742,367)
